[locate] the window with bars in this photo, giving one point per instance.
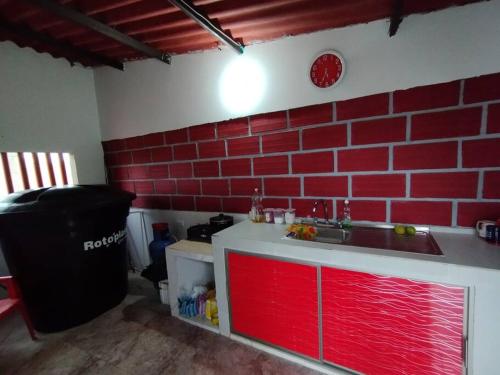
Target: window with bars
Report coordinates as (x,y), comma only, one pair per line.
(31,170)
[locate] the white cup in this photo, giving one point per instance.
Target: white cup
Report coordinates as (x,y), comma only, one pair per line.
(481,227)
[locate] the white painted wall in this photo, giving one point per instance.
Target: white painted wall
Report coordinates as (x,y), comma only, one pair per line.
(437,47)
(47,105)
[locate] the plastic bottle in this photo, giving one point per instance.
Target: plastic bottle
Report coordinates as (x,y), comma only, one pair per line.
(257,211)
(346,219)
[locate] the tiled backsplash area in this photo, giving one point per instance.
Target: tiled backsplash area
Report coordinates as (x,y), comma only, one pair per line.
(427,155)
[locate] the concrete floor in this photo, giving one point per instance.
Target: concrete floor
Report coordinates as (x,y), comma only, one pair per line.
(137,337)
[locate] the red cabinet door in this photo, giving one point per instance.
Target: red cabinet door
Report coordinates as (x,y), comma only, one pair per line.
(275,302)
(387,325)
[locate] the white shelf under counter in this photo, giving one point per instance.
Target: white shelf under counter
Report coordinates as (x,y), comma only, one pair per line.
(189,263)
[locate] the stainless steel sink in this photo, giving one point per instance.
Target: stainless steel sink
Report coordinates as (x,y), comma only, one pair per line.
(379,237)
(331,235)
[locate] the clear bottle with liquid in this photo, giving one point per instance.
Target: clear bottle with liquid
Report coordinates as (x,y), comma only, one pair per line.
(346,218)
(257,211)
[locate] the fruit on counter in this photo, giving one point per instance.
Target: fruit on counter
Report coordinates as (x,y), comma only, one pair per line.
(400,229)
(303,231)
(410,231)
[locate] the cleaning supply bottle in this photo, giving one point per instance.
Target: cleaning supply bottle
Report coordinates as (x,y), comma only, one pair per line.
(257,211)
(346,219)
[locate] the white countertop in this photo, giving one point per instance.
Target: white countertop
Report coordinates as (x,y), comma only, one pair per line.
(463,249)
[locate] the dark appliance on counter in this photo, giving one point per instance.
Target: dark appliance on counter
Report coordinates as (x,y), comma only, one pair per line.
(203,232)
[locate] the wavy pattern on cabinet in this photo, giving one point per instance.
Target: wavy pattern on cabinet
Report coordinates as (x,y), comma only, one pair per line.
(387,325)
(275,302)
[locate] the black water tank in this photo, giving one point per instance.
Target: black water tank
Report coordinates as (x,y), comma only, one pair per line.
(66,248)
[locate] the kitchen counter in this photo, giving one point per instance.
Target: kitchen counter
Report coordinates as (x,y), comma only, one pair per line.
(467,261)
(459,248)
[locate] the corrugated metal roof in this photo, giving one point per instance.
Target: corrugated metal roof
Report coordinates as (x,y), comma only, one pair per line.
(163,26)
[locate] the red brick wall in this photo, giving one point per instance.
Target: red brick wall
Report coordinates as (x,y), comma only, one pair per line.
(427,155)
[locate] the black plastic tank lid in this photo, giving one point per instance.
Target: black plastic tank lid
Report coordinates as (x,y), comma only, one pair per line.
(66,198)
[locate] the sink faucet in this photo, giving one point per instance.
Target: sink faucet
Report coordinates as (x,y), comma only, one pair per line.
(325,211)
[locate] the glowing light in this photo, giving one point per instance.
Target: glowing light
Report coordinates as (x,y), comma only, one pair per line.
(242,85)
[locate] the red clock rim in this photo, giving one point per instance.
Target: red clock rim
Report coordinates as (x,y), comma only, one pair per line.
(342,63)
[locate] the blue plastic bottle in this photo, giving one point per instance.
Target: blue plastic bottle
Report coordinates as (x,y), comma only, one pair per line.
(162,238)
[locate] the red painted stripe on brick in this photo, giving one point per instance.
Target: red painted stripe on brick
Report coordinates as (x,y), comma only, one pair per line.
(426,156)
(446,124)
(138,172)
(312,162)
(481,153)
(232,128)
(245,186)
(494,118)
(303,207)
(119,158)
(206,168)
(118,173)
(367,106)
(444,185)
(364,159)
(124,185)
(275,203)
(209,204)
(161,154)
(215,149)
(282,186)
(491,185)
(215,187)
(324,137)
(270,165)
(378,131)
(153,139)
(159,202)
(427,97)
(176,136)
(141,156)
(235,167)
(114,145)
(144,187)
(236,205)
(325,186)
(184,203)
(280,142)
(165,187)
(185,152)
(159,171)
(379,185)
(134,142)
(181,170)
(470,212)
(188,187)
(201,132)
(363,210)
(424,213)
(268,121)
(50,167)
(480,89)
(311,115)
(243,146)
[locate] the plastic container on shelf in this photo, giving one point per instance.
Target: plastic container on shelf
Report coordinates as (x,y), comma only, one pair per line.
(269,215)
(279,216)
(290,216)
(257,210)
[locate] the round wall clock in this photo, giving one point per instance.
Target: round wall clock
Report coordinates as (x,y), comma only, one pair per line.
(327,69)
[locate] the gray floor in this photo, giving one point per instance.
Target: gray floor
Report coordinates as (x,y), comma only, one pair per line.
(137,337)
